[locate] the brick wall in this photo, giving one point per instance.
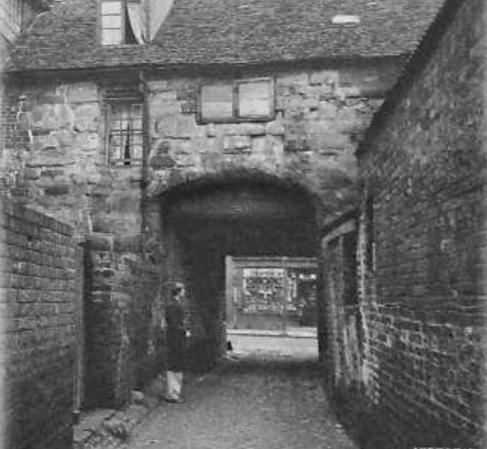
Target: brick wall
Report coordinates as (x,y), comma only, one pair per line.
(38,334)
(10,28)
(421,244)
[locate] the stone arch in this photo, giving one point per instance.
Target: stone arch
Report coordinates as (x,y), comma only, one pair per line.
(176,181)
(281,219)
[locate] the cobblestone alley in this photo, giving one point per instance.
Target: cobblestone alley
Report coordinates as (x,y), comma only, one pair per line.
(260,399)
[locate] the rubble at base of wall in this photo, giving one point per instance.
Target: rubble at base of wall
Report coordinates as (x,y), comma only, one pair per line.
(109,428)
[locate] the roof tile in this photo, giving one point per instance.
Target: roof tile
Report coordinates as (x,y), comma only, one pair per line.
(228,32)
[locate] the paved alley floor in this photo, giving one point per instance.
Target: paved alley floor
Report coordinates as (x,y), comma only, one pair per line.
(254,400)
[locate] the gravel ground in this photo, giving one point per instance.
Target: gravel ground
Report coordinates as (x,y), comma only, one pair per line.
(256,399)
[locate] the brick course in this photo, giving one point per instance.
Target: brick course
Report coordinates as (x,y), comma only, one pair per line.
(38,333)
(422,284)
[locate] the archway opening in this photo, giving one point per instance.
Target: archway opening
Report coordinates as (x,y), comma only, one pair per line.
(206,225)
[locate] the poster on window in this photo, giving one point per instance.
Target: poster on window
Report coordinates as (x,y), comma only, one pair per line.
(263,290)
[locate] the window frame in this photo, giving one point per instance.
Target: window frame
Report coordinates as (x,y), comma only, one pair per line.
(236,116)
(124,22)
(131,102)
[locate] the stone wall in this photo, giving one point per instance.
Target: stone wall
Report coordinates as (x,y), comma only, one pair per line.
(37,329)
(55,161)
(123,311)
(421,247)
(55,158)
(320,115)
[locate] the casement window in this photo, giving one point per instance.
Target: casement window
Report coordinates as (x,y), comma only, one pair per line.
(124,133)
(122,22)
(239,101)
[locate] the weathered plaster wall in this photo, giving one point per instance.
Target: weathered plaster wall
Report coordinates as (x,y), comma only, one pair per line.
(421,253)
(37,300)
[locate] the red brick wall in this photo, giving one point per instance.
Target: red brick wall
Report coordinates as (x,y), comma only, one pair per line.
(37,328)
(423,294)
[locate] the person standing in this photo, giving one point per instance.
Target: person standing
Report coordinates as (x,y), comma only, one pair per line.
(176,332)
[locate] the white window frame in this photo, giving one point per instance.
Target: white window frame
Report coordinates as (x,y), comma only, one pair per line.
(105,13)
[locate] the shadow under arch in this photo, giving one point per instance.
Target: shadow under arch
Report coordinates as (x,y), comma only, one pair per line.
(179,185)
(236,213)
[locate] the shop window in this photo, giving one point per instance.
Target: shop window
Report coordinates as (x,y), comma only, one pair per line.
(124,133)
(240,101)
(122,22)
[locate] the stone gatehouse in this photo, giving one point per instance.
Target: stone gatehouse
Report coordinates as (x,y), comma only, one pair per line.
(172,134)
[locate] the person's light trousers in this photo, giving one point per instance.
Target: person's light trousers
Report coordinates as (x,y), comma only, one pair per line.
(174,384)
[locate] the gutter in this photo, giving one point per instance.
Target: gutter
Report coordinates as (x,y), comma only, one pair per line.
(198,68)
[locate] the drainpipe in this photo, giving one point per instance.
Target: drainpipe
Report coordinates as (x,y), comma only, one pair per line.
(143,87)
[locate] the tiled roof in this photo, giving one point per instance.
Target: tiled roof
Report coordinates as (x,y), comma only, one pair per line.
(229,32)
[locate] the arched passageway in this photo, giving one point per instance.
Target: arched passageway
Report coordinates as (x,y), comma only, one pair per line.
(204,223)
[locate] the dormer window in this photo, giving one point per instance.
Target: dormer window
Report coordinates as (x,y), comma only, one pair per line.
(122,22)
